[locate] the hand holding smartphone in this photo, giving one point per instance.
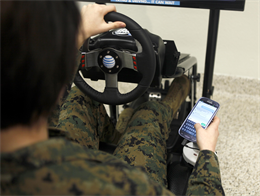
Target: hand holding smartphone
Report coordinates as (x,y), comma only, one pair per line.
(207,138)
(203,112)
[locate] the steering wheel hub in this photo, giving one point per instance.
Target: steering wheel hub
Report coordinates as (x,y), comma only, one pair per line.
(109,61)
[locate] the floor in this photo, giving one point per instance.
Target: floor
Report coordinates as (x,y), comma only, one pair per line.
(239,141)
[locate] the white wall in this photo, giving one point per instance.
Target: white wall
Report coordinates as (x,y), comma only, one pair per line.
(238,39)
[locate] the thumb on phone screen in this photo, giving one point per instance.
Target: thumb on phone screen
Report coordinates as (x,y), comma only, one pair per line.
(207,138)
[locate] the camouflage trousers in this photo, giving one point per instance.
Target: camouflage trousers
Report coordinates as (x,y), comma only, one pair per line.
(141,138)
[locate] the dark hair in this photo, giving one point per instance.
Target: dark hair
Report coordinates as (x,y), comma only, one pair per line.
(38,57)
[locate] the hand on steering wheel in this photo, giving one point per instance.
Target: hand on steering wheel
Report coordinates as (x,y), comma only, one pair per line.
(93,21)
(111,61)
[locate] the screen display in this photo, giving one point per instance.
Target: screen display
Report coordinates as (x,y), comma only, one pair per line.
(162,2)
(202,114)
(207,4)
(154,2)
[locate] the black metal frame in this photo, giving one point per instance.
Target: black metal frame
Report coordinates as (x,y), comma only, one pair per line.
(210,53)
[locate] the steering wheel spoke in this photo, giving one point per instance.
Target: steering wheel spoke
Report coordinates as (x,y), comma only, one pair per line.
(111,80)
(91,58)
(128,60)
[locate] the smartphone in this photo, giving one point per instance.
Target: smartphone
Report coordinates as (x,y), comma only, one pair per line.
(203,112)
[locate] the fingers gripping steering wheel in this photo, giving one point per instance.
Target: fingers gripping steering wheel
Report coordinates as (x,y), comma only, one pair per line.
(111,61)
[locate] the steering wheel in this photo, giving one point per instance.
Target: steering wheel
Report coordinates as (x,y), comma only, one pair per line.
(111,61)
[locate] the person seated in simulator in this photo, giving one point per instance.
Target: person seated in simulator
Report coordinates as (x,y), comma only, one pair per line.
(39,42)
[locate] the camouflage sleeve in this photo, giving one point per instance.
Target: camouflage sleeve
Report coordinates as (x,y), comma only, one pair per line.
(205,178)
(55,113)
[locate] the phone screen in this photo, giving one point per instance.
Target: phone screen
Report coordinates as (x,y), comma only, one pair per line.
(202,113)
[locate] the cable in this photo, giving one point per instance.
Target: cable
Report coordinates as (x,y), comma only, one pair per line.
(191,147)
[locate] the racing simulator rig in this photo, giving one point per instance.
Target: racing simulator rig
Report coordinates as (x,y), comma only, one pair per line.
(134,55)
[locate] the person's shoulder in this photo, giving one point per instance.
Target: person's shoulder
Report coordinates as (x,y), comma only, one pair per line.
(63,150)
(65,167)
(96,176)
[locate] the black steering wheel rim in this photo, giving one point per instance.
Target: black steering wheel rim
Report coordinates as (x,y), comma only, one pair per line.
(145,60)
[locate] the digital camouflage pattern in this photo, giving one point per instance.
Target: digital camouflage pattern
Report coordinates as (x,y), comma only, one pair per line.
(54,116)
(144,141)
(205,178)
(59,166)
(86,121)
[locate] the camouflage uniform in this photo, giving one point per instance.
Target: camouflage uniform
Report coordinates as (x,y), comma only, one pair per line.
(59,166)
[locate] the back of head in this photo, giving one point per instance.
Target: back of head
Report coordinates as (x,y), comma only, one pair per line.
(38,49)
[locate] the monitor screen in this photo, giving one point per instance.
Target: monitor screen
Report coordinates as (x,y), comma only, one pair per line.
(206,4)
